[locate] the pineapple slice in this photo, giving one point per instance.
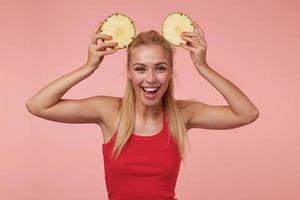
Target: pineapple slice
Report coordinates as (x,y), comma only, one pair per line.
(120,27)
(174,24)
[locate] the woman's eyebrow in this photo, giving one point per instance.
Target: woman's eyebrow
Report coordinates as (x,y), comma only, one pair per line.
(145,65)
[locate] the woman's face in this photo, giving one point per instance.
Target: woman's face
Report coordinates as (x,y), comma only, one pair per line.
(149,70)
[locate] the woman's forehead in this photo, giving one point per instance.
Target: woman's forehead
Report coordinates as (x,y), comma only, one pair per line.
(149,63)
(149,55)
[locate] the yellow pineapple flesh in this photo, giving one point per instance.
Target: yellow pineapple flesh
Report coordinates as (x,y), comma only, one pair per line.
(174,24)
(120,27)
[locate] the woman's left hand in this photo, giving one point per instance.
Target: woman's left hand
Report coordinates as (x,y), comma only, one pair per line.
(196,44)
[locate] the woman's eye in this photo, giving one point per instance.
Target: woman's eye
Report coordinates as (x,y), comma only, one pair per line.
(139,69)
(143,69)
(161,68)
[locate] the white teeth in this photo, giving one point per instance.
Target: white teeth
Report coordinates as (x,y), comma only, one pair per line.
(150,89)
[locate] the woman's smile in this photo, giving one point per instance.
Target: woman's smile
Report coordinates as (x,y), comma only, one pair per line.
(150,92)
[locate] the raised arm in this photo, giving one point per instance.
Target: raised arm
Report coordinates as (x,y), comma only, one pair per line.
(48,102)
(239,112)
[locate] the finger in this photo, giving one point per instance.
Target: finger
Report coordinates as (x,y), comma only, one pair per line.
(105,45)
(198,38)
(109,51)
(195,42)
(98,36)
(200,30)
(198,27)
(104,36)
(193,34)
(173,45)
(191,40)
(186,47)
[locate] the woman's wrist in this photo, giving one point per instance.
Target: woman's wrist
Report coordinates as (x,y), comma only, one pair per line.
(89,67)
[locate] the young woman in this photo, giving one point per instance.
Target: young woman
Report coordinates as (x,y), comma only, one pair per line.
(144,132)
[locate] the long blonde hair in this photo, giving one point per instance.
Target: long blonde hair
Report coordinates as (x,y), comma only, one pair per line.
(126,115)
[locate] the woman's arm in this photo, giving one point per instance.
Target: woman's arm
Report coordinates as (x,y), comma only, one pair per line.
(51,94)
(240,111)
(238,102)
(47,103)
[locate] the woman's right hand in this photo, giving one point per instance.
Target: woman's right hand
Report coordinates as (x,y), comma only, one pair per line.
(97,50)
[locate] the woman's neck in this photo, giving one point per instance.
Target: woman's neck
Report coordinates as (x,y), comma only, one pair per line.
(148,113)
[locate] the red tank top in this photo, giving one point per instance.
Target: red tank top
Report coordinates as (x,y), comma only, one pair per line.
(146,169)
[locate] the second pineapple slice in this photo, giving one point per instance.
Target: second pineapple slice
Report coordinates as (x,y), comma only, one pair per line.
(120,27)
(174,24)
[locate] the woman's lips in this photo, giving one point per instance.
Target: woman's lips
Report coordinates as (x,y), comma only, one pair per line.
(148,95)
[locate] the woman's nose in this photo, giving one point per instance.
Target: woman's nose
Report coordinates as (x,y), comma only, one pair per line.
(151,77)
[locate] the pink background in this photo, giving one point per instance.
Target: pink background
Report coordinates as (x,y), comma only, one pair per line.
(255,44)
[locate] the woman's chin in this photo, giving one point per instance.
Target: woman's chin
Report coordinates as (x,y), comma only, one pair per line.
(150,101)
